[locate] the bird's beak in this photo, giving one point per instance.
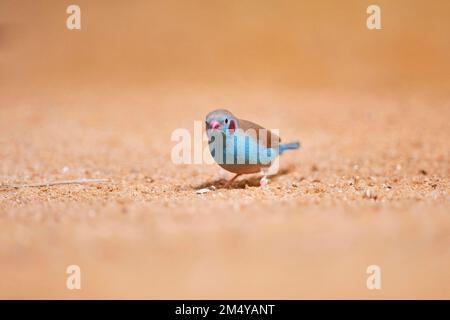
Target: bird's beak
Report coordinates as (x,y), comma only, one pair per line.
(214,124)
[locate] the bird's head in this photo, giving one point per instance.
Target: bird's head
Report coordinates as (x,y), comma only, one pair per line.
(221,120)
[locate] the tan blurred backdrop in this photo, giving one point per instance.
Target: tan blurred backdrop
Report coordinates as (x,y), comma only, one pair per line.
(300,44)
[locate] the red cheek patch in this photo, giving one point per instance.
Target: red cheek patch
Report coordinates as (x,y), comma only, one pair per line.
(232,126)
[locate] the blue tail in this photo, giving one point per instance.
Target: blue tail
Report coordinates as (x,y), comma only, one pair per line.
(288,146)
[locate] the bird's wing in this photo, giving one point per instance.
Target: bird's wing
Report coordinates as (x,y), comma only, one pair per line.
(245,125)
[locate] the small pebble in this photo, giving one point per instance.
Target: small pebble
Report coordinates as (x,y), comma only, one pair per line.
(202,191)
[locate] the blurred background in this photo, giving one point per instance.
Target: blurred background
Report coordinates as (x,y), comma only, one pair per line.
(369,186)
(295,44)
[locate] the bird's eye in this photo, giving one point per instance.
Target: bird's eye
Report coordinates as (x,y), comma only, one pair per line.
(226,120)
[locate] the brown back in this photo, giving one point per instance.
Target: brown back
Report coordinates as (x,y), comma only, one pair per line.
(246,125)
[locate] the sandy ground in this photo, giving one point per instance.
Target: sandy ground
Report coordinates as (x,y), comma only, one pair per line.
(370,185)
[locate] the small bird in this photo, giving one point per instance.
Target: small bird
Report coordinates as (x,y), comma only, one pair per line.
(241,146)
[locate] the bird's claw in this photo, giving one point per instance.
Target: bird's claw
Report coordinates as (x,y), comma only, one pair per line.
(264,182)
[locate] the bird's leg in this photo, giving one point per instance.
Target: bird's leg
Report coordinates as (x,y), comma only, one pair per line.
(264,181)
(228,184)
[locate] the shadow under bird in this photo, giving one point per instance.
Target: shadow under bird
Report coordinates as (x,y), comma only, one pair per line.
(241,146)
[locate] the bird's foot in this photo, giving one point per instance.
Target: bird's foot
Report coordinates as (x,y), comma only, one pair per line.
(264,182)
(230,182)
